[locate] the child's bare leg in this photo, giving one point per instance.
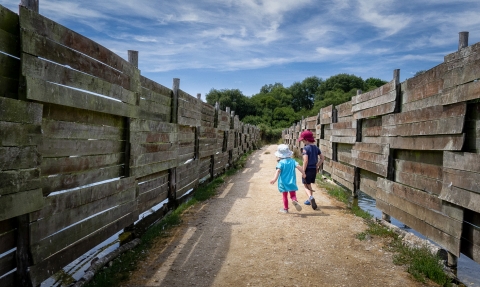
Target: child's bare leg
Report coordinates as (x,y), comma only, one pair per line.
(308,190)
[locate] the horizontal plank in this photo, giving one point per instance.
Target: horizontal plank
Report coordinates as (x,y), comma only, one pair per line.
(340,139)
(7,264)
(8,20)
(63,201)
(12,205)
(155,157)
(465,92)
(466,71)
(8,239)
(59,74)
(42,270)
(425,114)
(385,89)
(60,240)
(344,125)
(9,280)
(19,157)
(29,20)
(371,157)
(19,134)
(153,197)
(462,161)
(423,85)
(13,181)
(71,114)
(461,197)
(75,180)
(20,112)
(78,147)
(443,239)
(72,130)
(344,109)
(54,223)
(51,93)
(344,132)
(372,148)
(436,127)
(377,168)
(347,184)
(155,87)
(419,168)
(454,142)
(387,98)
(143,170)
(462,179)
(9,87)
(10,43)
(9,66)
(414,195)
(58,165)
(155,97)
(463,53)
(139,125)
(375,111)
(427,184)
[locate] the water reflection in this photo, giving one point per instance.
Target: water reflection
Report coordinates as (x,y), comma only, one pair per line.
(467,270)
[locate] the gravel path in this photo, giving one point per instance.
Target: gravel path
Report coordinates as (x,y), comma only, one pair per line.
(239,238)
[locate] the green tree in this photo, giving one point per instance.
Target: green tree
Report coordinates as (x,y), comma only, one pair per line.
(373,83)
(233,98)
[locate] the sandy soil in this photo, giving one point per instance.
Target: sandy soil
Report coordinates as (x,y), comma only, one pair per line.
(238,238)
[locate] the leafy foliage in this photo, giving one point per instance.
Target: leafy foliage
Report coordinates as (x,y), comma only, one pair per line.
(277,107)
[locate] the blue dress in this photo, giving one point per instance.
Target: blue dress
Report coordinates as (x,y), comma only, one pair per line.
(287,180)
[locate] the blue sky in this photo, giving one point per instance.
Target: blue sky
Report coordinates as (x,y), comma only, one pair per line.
(245,44)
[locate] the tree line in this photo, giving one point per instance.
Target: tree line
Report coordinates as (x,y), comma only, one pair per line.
(277,107)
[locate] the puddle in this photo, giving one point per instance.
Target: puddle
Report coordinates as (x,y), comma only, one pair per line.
(467,269)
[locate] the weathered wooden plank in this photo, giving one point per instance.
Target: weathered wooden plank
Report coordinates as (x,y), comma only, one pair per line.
(436,127)
(461,197)
(419,168)
(8,240)
(71,114)
(372,148)
(12,181)
(424,85)
(388,87)
(60,240)
(9,87)
(9,21)
(10,42)
(425,114)
(67,200)
(454,142)
(154,111)
(12,205)
(159,98)
(52,72)
(153,137)
(53,166)
(375,111)
(55,223)
(20,112)
(139,171)
(51,93)
(443,239)
(427,184)
(380,169)
(326,115)
(344,171)
(19,157)
(32,21)
(460,55)
(140,125)
(44,269)
(75,180)
(155,87)
(368,183)
(19,134)
(344,109)
(347,184)
(152,197)
(9,66)
(139,149)
(154,157)
(346,140)
(462,93)
(390,195)
(381,100)
(371,157)
(462,161)
(77,147)
(8,280)
(462,179)
(73,130)
(466,72)
(7,263)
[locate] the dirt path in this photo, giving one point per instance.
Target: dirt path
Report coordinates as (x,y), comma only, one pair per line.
(238,238)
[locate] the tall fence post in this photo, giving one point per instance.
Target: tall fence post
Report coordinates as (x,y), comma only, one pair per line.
(172,172)
(462,40)
(23,258)
(30,4)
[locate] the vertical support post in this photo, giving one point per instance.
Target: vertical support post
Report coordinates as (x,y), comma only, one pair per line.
(172,172)
(23,256)
(462,40)
(197,143)
(334,115)
(30,4)
(452,260)
(356,182)
(199,96)
(359,124)
(398,96)
(386,217)
(215,122)
(133,57)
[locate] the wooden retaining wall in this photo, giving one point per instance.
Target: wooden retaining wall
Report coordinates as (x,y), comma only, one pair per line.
(415,148)
(87,144)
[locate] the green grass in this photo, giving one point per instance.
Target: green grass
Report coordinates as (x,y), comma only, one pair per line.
(121,267)
(420,262)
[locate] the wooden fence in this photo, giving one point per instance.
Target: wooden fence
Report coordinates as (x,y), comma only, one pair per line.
(87,144)
(414,147)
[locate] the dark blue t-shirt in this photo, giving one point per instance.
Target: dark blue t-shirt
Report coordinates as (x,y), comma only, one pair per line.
(312,151)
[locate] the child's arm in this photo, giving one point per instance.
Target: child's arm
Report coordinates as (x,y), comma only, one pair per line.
(277,173)
(305,161)
(301,170)
(319,163)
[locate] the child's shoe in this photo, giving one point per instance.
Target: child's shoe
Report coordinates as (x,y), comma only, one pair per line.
(284,211)
(314,205)
(307,202)
(297,206)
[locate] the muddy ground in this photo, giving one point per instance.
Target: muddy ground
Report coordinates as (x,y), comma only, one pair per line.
(238,238)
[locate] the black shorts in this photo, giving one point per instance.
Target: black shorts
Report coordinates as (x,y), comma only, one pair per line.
(311,174)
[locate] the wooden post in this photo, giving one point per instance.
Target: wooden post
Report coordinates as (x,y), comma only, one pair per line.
(398,97)
(133,57)
(356,182)
(452,260)
(197,143)
(30,4)
(176,87)
(23,253)
(359,124)
(215,120)
(232,119)
(462,40)
(386,217)
(199,96)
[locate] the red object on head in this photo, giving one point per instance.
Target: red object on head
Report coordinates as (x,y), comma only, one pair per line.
(307,135)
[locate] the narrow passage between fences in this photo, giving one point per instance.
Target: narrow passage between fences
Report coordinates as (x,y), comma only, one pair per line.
(239,238)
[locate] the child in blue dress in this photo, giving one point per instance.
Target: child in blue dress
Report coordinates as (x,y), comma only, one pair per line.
(287,180)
